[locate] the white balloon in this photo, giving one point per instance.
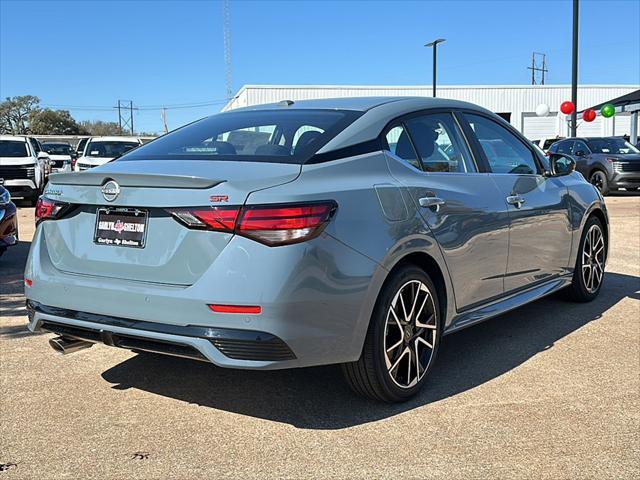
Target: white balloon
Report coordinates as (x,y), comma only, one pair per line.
(542,110)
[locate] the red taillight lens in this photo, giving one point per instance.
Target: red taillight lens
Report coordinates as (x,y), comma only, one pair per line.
(219,219)
(284,224)
(47,209)
(269,224)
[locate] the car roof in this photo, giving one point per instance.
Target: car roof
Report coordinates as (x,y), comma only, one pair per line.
(114,139)
(361,104)
(15,138)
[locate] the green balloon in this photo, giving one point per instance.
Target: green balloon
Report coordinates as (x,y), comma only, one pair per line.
(608,110)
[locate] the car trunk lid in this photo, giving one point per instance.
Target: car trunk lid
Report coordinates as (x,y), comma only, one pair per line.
(172,253)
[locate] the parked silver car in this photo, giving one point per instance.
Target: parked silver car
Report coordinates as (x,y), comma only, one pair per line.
(354,231)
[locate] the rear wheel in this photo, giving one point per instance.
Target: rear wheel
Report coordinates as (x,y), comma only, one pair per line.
(589,270)
(402,340)
(599,180)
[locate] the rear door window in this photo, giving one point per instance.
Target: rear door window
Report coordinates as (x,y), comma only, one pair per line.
(439,144)
(565,147)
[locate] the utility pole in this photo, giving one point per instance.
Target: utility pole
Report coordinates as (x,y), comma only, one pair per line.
(164,120)
(119,117)
(574,69)
(227,49)
(125,115)
(535,61)
(434,44)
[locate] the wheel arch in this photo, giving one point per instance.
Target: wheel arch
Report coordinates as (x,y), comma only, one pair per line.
(431,267)
(597,168)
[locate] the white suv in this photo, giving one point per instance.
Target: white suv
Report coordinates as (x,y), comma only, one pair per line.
(23,166)
(100,150)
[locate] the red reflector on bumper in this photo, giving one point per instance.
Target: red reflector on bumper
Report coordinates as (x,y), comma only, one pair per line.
(28,282)
(250,309)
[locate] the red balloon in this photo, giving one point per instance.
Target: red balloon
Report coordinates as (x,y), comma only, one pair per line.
(589,115)
(567,108)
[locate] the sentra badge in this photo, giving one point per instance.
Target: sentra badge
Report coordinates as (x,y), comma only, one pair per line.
(52,191)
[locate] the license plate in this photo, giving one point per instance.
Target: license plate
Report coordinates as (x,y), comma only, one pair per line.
(121,227)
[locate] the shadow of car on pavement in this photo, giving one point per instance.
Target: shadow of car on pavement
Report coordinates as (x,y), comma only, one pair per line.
(317,398)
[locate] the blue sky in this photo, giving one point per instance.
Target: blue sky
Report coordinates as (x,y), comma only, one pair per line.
(91,53)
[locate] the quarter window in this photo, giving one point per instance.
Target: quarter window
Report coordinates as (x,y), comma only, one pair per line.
(439,144)
(400,145)
(504,151)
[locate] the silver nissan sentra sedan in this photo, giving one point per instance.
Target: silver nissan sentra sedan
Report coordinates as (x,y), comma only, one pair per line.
(356,231)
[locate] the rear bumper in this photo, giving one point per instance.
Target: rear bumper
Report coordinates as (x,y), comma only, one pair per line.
(316,299)
(217,345)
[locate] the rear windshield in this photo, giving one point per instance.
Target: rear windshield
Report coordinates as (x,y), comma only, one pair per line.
(280,136)
(109,149)
(56,148)
(13,148)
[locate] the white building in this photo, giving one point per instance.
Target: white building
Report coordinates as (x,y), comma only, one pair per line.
(515,103)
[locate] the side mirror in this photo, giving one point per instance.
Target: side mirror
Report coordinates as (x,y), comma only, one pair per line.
(42,155)
(579,153)
(561,164)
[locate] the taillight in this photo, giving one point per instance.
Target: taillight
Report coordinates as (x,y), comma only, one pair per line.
(219,219)
(73,163)
(47,209)
(272,225)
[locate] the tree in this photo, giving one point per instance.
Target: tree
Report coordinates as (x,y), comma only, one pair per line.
(15,113)
(100,128)
(54,122)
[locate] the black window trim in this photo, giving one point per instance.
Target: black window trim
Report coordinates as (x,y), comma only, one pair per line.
(542,171)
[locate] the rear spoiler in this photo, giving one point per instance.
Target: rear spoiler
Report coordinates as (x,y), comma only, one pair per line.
(142,180)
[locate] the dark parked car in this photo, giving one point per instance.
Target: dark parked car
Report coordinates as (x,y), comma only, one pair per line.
(8,220)
(608,163)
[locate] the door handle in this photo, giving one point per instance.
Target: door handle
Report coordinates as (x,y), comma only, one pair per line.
(515,200)
(431,202)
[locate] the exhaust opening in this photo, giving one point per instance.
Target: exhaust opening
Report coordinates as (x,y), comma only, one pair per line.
(65,345)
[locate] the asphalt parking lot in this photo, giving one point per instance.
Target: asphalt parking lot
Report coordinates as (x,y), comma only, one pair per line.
(548,391)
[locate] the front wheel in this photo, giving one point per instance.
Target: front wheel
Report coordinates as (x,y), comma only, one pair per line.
(599,180)
(402,341)
(588,274)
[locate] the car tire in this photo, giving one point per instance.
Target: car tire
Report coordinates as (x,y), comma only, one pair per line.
(395,374)
(588,275)
(599,180)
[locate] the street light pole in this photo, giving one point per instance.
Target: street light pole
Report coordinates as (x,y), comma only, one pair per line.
(434,44)
(574,70)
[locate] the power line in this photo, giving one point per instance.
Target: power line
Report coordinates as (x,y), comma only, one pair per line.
(140,107)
